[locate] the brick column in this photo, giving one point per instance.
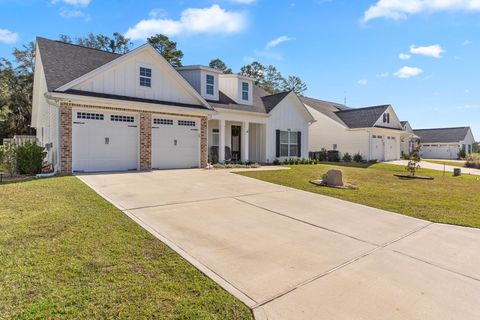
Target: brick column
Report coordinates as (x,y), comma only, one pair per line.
(66,138)
(145,141)
(203,142)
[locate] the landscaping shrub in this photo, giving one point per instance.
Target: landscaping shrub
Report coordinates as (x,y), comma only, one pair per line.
(357,157)
(462,154)
(333,156)
(29,158)
(8,158)
(473,161)
(276,162)
(347,157)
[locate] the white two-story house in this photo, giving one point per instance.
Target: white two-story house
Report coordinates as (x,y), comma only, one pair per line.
(99,111)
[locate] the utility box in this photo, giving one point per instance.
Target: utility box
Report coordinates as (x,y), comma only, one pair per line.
(457,172)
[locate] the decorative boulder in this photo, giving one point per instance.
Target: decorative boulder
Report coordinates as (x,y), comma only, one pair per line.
(334,178)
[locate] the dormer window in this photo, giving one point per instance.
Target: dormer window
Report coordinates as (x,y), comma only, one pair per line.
(386,118)
(245,89)
(145,77)
(210,85)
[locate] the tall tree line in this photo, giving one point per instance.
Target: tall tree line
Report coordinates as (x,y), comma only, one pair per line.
(16,77)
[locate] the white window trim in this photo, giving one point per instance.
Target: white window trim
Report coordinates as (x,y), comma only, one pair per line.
(246,91)
(289,143)
(207,85)
(146,66)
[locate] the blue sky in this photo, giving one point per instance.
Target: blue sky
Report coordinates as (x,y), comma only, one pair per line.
(339,48)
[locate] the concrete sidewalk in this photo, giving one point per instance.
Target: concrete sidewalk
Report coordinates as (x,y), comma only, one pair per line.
(290,254)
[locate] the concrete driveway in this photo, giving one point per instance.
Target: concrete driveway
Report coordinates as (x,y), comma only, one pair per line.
(290,254)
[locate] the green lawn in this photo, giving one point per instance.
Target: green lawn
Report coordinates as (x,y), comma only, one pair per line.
(65,253)
(448,163)
(453,200)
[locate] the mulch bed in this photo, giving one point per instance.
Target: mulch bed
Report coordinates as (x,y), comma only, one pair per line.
(408,176)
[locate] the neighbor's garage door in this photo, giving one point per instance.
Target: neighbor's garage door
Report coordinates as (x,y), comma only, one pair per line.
(378,148)
(391,148)
(104,141)
(175,143)
(440,151)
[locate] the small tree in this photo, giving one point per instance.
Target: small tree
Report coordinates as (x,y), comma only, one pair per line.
(462,154)
(9,158)
(413,162)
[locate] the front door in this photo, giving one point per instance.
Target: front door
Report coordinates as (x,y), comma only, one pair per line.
(236,132)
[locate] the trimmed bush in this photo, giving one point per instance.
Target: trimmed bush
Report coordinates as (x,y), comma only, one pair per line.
(29,158)
(357,157)
(276,162)
(462,154)
(347,157)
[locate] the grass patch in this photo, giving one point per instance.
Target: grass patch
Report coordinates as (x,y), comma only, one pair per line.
(448,163)
(65,253)
(452,200)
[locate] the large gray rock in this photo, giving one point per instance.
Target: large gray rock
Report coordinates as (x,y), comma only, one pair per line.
(334,178)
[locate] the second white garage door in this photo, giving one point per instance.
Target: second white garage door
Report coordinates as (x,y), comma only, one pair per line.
(391,148)
(175,143)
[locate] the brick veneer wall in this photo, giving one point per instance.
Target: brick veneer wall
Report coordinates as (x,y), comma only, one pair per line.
(66,138)
(203,142)
(145,122)
(145,141)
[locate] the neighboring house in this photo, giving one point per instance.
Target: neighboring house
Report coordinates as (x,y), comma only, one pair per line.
(100,111)
(409,140)
(445,143)
(374,132)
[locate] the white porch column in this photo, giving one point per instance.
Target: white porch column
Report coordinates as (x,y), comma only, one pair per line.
(245,141)
(221,144)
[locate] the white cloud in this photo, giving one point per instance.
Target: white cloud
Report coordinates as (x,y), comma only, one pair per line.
(408,72)
(434,51)
(404,56)
(8,36)
(382,75)
(467,42)
(66,13)
(157,13)
(362,82)
(243,1)
(78,3)
(213,20)
(275,42)
(401,9)
(469,106)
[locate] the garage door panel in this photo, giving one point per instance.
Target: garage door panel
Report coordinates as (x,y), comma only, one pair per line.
(175,143)
(104,143)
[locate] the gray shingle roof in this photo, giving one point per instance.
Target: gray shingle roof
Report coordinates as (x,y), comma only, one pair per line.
(442,134)
(327,108)
(349,117)
(362,117)
(403,123)
(64,62)
(263,102)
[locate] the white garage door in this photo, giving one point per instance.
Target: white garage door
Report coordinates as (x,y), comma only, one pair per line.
(391,148)
(378,148)
(104,141)
(439,151)
(175,143)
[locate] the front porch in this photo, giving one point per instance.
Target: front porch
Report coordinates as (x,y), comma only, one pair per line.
(236,141)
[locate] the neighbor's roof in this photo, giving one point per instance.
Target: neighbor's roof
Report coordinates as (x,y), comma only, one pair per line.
(65,62)
(263,102)
(403,123)
(328,108)
(442,134)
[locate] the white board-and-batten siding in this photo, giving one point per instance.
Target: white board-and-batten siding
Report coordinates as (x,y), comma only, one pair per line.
(123,79)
